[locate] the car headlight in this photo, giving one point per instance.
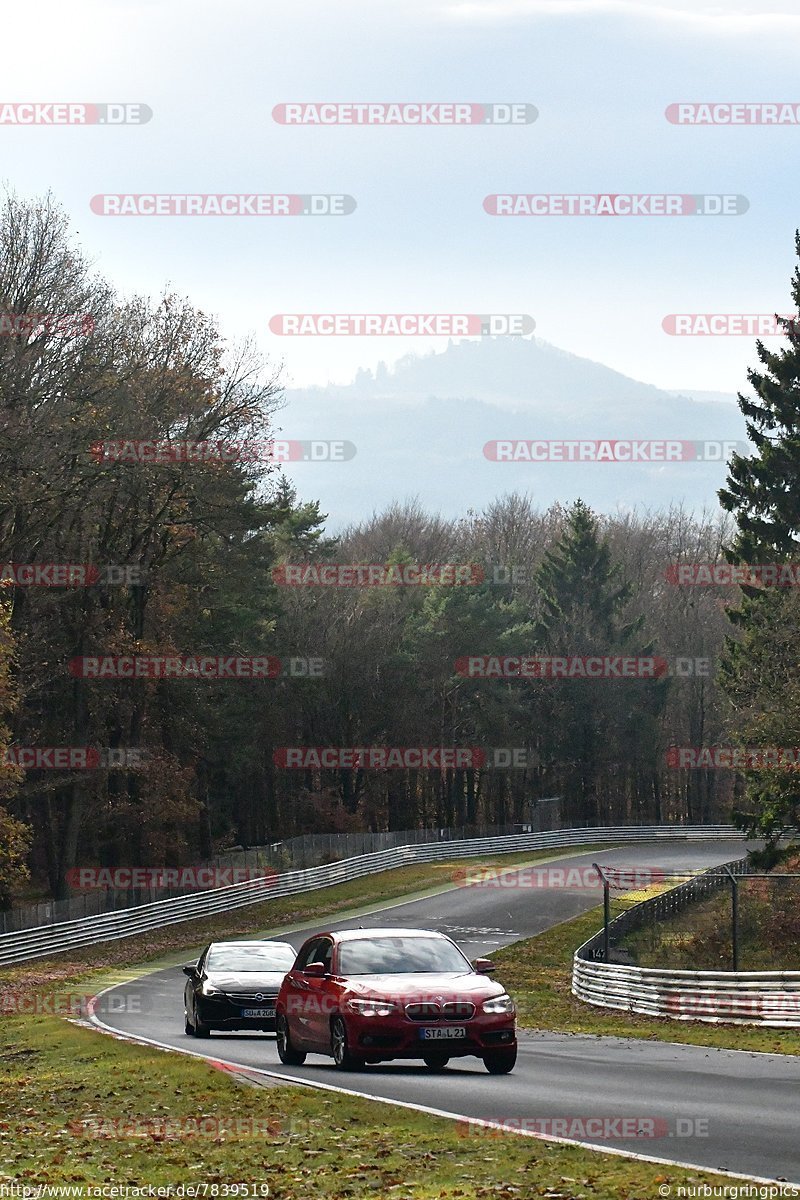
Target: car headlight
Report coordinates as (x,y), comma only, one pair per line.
(372,1008)
(499,1004)
(208,989)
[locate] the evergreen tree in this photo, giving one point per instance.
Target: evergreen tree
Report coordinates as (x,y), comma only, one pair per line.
(580,589)
(763,494)
(595,726)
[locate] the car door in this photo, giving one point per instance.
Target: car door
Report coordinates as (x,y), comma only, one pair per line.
(302,998)
(193,984)
(319,1008)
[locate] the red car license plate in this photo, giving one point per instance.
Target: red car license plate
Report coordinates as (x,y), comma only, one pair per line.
(444,1034)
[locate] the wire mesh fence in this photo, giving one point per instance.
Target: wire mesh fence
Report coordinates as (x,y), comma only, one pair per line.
(728,919)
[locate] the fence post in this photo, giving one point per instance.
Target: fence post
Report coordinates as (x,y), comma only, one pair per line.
(606,910)
(734,918)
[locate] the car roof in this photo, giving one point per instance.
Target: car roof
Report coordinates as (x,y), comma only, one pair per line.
(245,945)
(350,935)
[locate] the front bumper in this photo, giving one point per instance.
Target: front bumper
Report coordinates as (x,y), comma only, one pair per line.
(399,1037)
(223,1012)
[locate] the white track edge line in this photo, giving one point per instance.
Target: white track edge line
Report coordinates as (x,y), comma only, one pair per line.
(434,1112)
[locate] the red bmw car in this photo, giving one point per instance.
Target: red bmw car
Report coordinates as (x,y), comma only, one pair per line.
(372,995)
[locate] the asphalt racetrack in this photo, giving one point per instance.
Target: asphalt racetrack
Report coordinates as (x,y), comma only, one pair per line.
(719,1109)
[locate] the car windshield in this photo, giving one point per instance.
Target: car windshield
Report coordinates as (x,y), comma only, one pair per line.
(399,956)
(250,958)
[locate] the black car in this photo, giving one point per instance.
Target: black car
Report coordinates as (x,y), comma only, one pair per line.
(234,985)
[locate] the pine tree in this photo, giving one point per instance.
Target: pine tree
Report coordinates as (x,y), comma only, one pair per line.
(599,730)
(763,489)
(758,671)
(579,589)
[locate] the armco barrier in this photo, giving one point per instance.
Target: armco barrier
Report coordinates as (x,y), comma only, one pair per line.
(291,854)
(766,998)
(68,935)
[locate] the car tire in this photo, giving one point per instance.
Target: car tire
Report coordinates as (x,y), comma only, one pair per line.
(201,1030)
(286,1051)
(188,1029)
(500,1062)
(436,1062)
(340,1048)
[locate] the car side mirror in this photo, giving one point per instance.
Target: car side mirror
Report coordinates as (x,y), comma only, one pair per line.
(484,966)
(190,969)
(316,970)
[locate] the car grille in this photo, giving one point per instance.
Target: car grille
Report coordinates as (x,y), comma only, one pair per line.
(451,1010)
(250,998)
(458,1010)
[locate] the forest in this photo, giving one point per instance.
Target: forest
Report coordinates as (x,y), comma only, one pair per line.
(183,559)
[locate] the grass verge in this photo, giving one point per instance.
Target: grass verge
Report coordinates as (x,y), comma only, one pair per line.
(81,1109)
(538,973)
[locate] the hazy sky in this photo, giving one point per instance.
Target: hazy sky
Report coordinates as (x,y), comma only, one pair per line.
(600,74)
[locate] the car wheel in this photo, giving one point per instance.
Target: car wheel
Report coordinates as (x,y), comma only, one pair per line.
(436,1062)
(189,1029)
(500,1062)
(286,1051)
(340,1049)
(201,1030)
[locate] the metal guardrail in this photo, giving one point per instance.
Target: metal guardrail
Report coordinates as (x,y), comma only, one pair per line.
(766,998)
(292,854)
(313,849)
(27,944)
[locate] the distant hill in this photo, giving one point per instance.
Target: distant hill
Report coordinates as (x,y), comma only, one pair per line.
(420,429)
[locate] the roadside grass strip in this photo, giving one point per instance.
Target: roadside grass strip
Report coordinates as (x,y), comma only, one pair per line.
(81,1109)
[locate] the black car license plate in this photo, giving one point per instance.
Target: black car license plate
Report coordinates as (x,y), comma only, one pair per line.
(258,1012)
